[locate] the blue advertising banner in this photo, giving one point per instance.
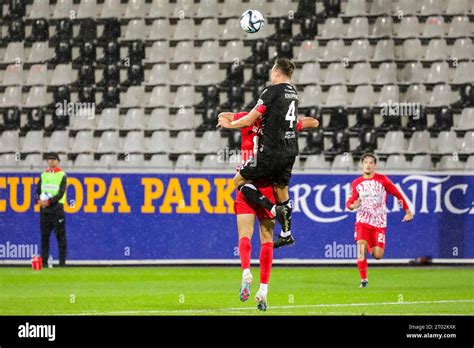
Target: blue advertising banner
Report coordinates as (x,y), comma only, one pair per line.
(190,216)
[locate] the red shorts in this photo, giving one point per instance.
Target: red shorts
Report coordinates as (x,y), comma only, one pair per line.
(241,206)
(375,236)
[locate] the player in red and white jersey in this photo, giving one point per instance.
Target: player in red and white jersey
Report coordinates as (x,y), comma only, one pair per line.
(246,213)
(369,197)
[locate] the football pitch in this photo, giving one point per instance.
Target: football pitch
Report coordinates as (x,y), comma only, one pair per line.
(214,291)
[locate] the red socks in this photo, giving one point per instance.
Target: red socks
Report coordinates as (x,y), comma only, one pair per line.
(362,265)
(244,252)
(266,259)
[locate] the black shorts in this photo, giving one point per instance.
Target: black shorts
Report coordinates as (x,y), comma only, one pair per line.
(277,169)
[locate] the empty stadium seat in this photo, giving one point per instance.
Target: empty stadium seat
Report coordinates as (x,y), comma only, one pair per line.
(109,119)
(358,27)
(467,143)
(335,74)
(385,50)
(37,96)
(108,161)
(470,163)
(33,161)
(134,119)
(464,73)
(59,141)
(437,50)
(343,162)
(356,8)
(184,97)
(393,143)
(316,162)
(310,74)
(337,96)
(207,8)
(63,9)
(185,119)
(9,160)
(412,73)
(159,142)
(210,143)
(434,27)
(186,162)
(359,50)
(446,142)
(432,7)
(11,97)
(134,142)
(311,96)
(33,142)
(109,142)
(135,9)
(460,27)
(440,96)
(159,75)
(213,162)
(159,97)
(466,121)
(133,161)
(159,120)
(360,74)
(420,143)
(184,142)
(83,142)
(39,53)
(462,49)
(449,162)
(308,52)
(457,7)
(409,27)
(421,162)
(334,51)
(160,161)
(439,73)
(363,97)
(396,162)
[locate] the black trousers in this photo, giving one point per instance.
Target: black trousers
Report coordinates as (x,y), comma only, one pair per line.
(50,222)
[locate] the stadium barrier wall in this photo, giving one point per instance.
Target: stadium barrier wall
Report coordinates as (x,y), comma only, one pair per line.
(125,218)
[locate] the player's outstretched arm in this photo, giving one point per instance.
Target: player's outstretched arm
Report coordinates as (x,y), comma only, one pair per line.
(307,123)
(245,121)
(408,216)
(393,190)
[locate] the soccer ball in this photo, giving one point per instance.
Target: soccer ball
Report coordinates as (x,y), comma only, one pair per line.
(44,196)
(252,21)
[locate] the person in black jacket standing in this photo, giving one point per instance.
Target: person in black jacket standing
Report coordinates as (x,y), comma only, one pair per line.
(51,195)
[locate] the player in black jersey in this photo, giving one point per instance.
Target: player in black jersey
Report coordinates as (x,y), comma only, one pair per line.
(278,146)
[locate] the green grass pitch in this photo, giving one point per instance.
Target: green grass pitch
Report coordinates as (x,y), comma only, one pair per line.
(214,291)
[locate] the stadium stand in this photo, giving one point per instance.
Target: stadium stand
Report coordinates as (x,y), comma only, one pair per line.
(138,84)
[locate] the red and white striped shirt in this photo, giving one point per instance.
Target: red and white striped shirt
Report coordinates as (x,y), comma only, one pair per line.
(372,194)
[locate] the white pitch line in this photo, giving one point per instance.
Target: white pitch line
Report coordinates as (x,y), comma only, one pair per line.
(323,305)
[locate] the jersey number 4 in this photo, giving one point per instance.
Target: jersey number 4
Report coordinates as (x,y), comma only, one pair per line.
(290,115)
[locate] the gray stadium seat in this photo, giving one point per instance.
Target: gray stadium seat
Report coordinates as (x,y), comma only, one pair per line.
(111,8)
(460,27)
(407,7)
(333,28)
(39,9)
(316,162)
(420,143)
(356,8)
(134,120)
(450,163)
(185,75)
(159,119)
(208,29)
(469,163)
(232,30)
(335,74)
(421,162)
(213,162)
(337,96)
(208,75)
(33,142)
(186,162)
(437,50)
(59,141)
(434,27)
(210,143)
(438,73)
(13,75)
(63,9)
(134,142)
(87,9)
(38,75)
(109,119)
(466,122)
(185,119)
(446,143)
(14,53)
(457,7)
(393,143)
(207,8)
(133,160)
(184,142)
(310,97)
(308,52)
(334,51)
(409,27)
(411,49)
(184,8)
(134,97)
(343,162)
(384,50)
(363,97)
(232,51)
(8,160)
(135,9)
(159,75)
(441,96)
(160,8)
(159,53)
(160,30)
(396,162)
(310,74)
(432,7)
(464,73)
(135,30)
(467,143)
(184,30)
(184,97)
(412,73)
(108,161)
(462,49)
(359,50)
(39,53)
(416,93)
(33,161)
(109,142)
(232,9)
(184,52)
(83,142)
(380,7)
(358,27)
(161,162)
(159,142)
(389,94)
(281,8)
(62,75)
(159,97)
(37,96)
(10,141)
(386,74)
(208,52)
(84,160)
(360,74)
(11,97)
